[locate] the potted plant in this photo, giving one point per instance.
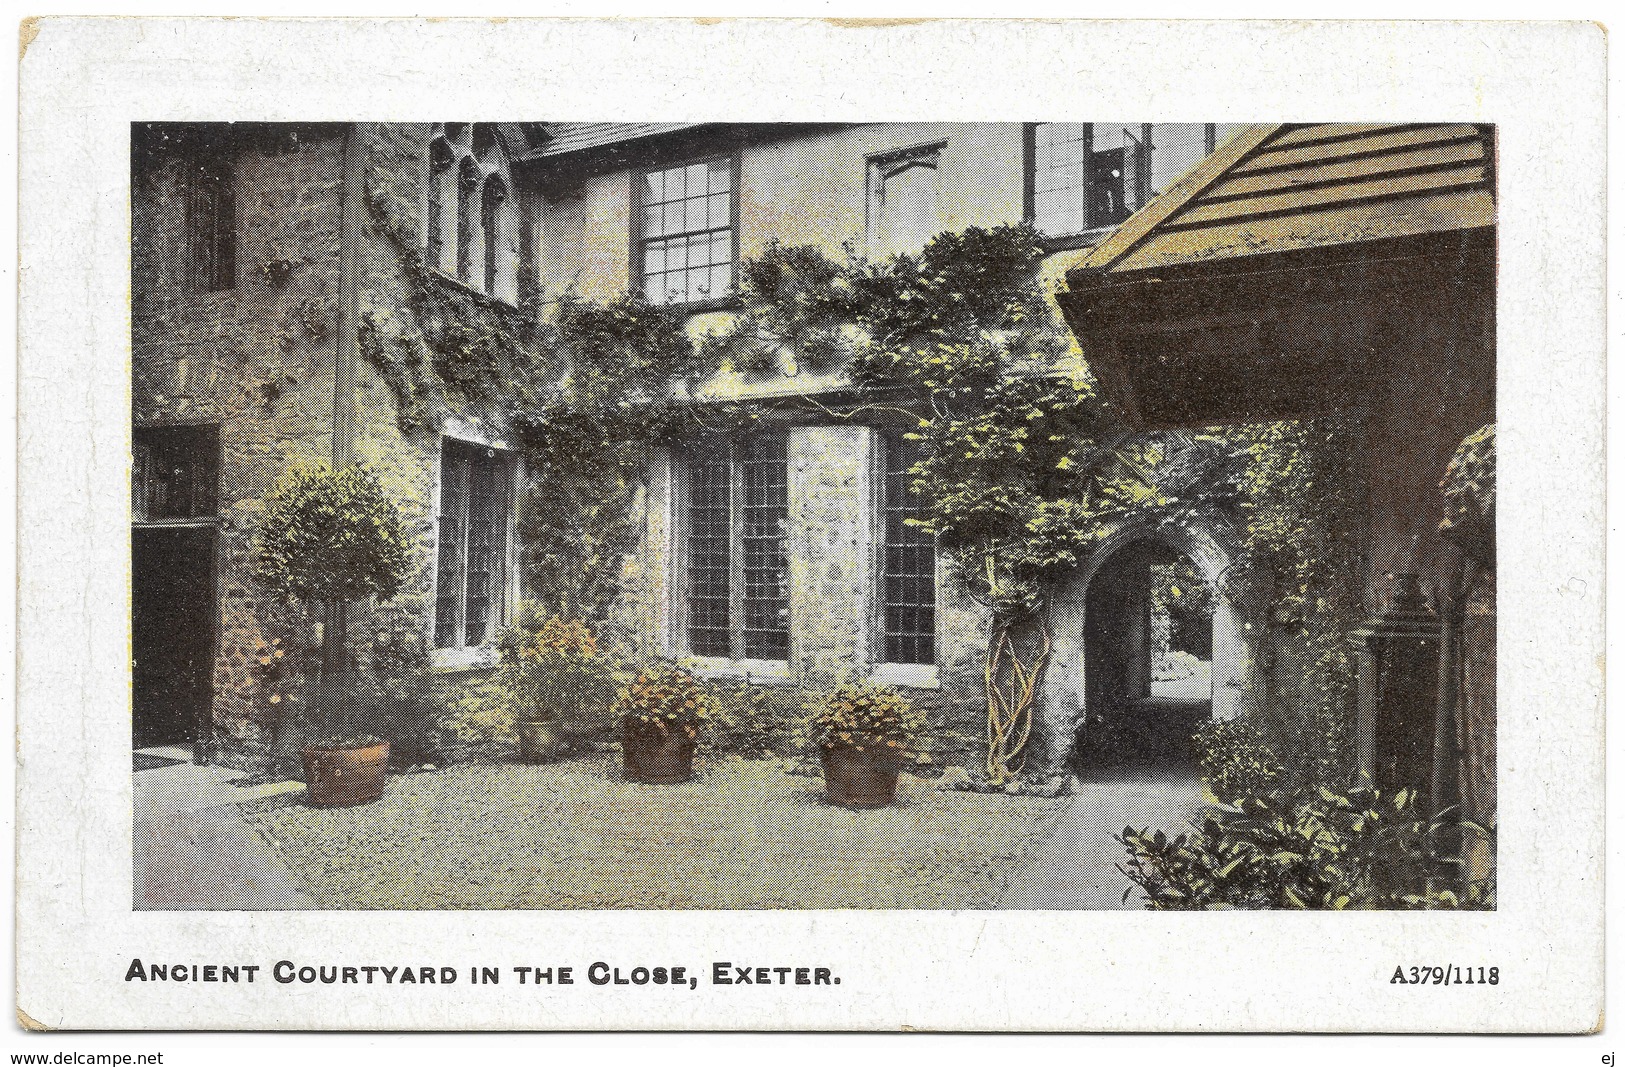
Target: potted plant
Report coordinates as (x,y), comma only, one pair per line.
(553,672)
(660,714)
(328,538)
(864,733)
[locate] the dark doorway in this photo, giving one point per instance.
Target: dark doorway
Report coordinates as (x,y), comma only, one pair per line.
(172,640)
(174,491)
(1148,648)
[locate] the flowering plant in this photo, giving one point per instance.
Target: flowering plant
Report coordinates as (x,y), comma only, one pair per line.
(272,669)
(664,700)
(869,718)
(556,666)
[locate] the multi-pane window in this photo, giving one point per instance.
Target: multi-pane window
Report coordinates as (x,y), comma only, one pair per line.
(764,513)
(176,473)
(908,561)
(737,570)
(471,570)
(710,552)
(211,224)
(1085,175)
(685,232)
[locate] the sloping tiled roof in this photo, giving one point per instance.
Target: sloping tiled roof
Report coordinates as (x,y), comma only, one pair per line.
(1278,188)
(568,137)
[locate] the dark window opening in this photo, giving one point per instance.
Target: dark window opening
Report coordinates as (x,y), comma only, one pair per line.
(211,225)
(908,561)
(176,473)
(491,201)
(468,182)
(440,166)
(1086,175)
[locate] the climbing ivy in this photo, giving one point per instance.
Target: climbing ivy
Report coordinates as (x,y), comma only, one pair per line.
(450,343)
(1302,559)
(586,387)
(588,441)
(1469,495)
(1024,467)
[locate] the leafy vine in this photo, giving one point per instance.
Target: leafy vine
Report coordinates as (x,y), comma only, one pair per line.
(1023,466)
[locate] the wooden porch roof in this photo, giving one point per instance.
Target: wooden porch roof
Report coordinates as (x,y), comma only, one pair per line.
(1286,187)
(1261,285)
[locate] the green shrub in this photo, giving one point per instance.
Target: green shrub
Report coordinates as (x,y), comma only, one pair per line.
(870,718)
(1469,495)
(1303,850)
(1236,759)
(555,672)
(331,536)
(757,721)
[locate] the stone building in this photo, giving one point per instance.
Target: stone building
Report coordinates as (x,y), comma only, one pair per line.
(783,558)
(256,270)
(1318,267)
(267,258)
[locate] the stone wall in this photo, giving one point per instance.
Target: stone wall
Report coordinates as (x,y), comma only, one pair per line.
(256,359)
(833,561)
(409,465)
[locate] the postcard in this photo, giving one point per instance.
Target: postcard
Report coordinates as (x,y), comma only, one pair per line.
(810,525)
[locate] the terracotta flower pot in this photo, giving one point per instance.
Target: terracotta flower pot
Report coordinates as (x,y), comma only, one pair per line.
(344,777)
(855,778)
(541,742)
(655,756)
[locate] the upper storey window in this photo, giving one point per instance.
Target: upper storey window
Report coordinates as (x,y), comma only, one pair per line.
(685,223)
(210,189)
(471,228)
(1086,175)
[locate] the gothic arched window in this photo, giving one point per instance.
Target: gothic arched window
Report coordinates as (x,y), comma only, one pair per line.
(471,226)
(468,184)
(441,198)
(493,206)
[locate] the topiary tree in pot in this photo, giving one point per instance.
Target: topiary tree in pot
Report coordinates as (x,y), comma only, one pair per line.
(330,537)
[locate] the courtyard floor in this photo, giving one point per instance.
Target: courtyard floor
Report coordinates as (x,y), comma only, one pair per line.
(742,834)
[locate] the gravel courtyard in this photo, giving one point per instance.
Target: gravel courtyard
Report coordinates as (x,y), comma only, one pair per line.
(742,834)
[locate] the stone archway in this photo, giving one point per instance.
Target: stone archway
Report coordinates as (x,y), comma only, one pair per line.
(1067,685)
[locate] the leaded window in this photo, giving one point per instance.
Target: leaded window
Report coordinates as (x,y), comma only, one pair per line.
(176,473)
(764,477)
(908,560)
(471,568)
(710,559)
(737,570)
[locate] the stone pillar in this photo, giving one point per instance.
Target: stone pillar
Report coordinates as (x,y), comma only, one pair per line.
(650,572)
(831,546)
(1398,653)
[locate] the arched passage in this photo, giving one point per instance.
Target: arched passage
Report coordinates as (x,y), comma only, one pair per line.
(1127,679)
